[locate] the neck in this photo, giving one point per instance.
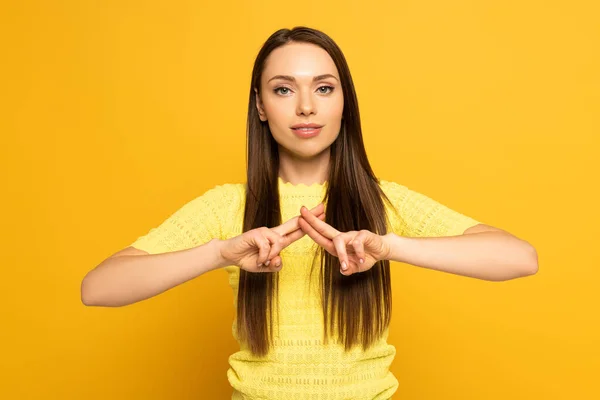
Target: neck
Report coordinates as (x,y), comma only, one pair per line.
(307,171)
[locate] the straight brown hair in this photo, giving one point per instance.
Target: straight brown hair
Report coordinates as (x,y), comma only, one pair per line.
(361,302)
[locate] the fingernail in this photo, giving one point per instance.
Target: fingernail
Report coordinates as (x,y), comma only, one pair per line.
(278,264)
(362,261)
(260,265)
(267,263)
(344,266)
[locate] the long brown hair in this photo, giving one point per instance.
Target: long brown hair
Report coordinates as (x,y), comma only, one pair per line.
(362,302)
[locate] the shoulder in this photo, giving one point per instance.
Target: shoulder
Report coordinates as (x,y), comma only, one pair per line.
(405,197)
(386,184)
(399,197)
(223,195)
(226,190)
(393,189)
(217,199)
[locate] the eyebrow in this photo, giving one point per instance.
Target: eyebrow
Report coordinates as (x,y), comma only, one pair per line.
(292,79)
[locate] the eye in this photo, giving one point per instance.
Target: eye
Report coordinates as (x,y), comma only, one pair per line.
(285,90)
(326,87)
(276,90)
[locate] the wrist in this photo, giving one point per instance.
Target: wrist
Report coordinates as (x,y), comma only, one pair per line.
(394,244)
(217,246)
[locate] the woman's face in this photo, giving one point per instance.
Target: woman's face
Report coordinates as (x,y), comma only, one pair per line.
(291,95)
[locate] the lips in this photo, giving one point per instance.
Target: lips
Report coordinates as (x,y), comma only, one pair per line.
(307,126)
(305,131)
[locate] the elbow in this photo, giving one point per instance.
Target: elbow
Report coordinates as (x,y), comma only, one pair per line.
(92,293)
(531,267)
(97,294)
(87,295)
(528,268)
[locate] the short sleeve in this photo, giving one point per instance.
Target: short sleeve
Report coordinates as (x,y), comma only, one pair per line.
(420,216)
(197,222)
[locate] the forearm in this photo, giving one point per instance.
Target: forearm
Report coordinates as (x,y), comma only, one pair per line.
(493,256)
(128,279)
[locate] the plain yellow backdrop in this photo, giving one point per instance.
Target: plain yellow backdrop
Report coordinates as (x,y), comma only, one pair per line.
(116,113)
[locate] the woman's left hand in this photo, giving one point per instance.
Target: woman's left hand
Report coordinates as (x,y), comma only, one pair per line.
(357,251)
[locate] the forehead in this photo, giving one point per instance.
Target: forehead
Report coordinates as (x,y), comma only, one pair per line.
(302,60)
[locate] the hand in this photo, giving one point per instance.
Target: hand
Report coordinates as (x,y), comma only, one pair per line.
(257,250)
(357,251)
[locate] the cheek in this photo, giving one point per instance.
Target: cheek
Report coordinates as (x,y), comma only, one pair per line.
(278,120)
(340,107)
(335,114)
(278,112)
(335,108)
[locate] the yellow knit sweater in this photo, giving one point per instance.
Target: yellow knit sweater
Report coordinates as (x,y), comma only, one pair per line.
(300,366)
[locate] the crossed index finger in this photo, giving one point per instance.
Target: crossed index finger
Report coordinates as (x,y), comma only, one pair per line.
(320,226)
(292,224)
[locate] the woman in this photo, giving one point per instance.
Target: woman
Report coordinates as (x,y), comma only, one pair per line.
(301,336)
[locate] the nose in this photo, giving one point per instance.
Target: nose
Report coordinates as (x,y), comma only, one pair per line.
(305,105)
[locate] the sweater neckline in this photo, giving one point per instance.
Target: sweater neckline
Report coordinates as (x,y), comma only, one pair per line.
(300,188)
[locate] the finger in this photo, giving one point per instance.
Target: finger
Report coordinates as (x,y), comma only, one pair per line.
(289,226)
(286,241)
(340,245)
(298,233)
(263,245)
(276,264)
(276,244)
(358,243)
(321,240)
(292,224)
(320,226)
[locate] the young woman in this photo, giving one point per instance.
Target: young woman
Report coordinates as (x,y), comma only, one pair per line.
(301,335)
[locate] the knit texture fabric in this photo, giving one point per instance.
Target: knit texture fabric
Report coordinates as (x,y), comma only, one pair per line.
(300,365)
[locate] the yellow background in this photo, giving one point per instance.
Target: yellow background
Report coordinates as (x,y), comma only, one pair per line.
(116,113)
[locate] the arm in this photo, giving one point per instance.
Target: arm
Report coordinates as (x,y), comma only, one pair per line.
(133,275)
(428,234)
(182,247)
(481,252)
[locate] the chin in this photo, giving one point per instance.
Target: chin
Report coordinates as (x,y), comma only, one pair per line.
(306,154)
(304,148)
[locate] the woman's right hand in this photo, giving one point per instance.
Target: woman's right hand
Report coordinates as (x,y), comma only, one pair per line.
(257,250)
